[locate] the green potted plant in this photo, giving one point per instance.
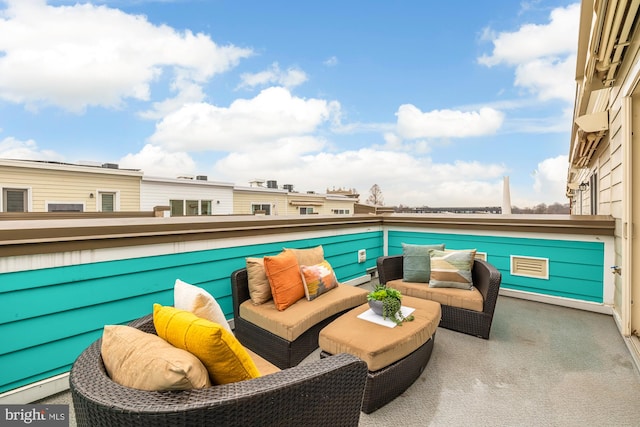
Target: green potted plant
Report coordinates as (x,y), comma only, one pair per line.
(386,302)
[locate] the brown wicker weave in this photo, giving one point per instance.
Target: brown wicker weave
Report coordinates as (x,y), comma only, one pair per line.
(277,350)
(386,384)
(486,278)
(324,392)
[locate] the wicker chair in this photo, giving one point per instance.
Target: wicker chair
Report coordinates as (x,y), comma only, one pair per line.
(324,392)
(277,350)
(486,278)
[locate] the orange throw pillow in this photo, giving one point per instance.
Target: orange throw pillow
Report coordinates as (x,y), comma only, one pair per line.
(285,279)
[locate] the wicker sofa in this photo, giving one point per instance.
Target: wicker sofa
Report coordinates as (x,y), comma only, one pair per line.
(323,392)
(486,278)
(283,352)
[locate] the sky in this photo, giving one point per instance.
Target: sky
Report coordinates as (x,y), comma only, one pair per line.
(435,102)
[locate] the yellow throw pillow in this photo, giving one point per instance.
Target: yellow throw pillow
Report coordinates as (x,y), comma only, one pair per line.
(259,289)
(285,279)
(318,279)
(136,359)
(220,352)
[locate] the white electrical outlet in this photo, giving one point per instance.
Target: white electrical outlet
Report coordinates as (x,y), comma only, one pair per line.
(362,255)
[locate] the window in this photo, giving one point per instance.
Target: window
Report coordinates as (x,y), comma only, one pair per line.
(305,210)
(341,211)
(65,207)
(107,202)
(261,209)
(192,207)
(205,207)
(177,207)
(14,200)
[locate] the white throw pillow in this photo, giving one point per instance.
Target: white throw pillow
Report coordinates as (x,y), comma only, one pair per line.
(199,302)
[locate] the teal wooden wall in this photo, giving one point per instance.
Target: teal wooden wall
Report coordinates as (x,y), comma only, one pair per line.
(576,268)
(48,316)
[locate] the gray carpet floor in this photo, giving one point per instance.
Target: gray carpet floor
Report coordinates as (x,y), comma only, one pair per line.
(543,366)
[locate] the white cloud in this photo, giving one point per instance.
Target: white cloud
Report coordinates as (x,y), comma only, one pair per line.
(272,115)
(543,55)
(557,38)
(413,123)
(550,178)
(155,161)
(12,148)
(289,78)
(85,55)
(417,182)
(331,62)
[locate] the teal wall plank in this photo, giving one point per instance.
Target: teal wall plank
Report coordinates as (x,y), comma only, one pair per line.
(576,268)
(54,313)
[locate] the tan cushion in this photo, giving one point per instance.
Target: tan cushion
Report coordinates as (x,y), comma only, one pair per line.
(285,279)
(379,346)
(264,366)
(136,359)
(461,298)
(309,256)
(259,288)
(302,315)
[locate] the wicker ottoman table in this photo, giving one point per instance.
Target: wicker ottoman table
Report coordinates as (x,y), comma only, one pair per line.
(395,357)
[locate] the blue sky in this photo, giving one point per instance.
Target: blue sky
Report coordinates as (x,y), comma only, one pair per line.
(433,101)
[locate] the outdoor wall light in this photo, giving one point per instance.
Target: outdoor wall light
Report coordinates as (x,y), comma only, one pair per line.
(91,195)
(583,186)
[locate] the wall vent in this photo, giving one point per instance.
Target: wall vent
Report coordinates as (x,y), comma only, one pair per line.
(530,267)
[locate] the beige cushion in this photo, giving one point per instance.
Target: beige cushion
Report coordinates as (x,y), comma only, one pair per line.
(136,359)
(259,288)
(309,256)
(302,315)
(379,346)
(199,302)
(264,366)
(461,298)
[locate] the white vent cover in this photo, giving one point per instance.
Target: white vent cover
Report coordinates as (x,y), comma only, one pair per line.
(481,255)
(530,267)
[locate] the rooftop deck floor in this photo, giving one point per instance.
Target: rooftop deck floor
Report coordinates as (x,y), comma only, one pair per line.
(544,365)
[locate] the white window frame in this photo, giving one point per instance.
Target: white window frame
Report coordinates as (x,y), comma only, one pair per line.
(65,202)
(261,204)
(29,201)
(116,199)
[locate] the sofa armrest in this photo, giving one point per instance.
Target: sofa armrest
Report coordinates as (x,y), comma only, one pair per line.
(486,278)
(389,268)
(239,289)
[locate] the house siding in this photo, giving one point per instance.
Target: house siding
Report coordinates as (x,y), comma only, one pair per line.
(49,185)
(59,311)
(576,268)
(159,193)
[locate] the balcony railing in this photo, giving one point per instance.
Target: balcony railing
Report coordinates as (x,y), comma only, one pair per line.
(62,280)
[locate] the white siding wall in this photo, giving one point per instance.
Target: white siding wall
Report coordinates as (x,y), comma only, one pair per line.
(158,193)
